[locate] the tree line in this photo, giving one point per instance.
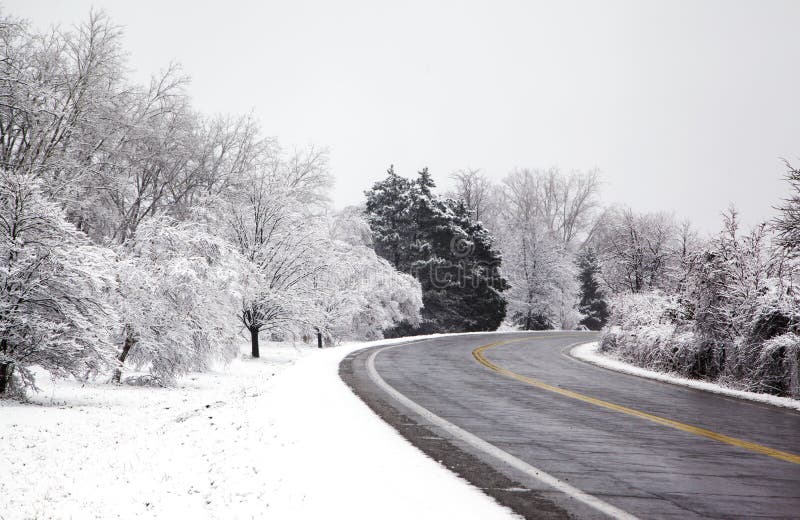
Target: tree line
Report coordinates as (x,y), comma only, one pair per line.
(724,307)
(137,232)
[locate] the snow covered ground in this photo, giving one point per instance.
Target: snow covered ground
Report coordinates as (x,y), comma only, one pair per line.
(280,437)
(590,352)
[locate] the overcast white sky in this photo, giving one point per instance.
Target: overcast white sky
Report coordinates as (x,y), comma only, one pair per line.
(685,106)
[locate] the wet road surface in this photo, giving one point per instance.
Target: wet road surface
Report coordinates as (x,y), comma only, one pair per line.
(591,428)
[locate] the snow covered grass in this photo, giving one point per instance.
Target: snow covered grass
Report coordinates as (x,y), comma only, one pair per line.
(590,352)
(278,437)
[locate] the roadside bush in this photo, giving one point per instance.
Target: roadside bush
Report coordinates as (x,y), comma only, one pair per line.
(776,369)
(649,330)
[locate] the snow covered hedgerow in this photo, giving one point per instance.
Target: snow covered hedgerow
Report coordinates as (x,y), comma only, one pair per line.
(648,330)
(179,289)
(735,320)
(53,288)
(765,359)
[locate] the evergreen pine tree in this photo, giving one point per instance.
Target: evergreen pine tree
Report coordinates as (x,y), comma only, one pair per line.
(451,255)
(592,305)
(388,212)
(480,272)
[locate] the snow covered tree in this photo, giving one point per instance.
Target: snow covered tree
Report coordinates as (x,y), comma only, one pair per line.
(540,270)
(787,224)
(57,89)
(743,295)
(179,287)
(388,211)
(390,298)
(566,203)
(54,287)
(638,252)
(592,304)
(451,255)
(474,189)
(358,295)
(473,249)
(563,205)
(543,282)
(364,292)
(284,246)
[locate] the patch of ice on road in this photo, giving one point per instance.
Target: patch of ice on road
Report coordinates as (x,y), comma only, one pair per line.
(590,352)
(279,437)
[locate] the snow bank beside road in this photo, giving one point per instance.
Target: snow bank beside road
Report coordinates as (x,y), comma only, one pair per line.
(279,437)
(348,462)
(590,352)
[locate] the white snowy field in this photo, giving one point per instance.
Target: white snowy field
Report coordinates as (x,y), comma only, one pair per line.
(590,352)
(281,437)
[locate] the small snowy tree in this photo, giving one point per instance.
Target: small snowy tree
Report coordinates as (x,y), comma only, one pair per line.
(543,281)
(592,304)
(744,294)
(178,290)
(358,295)
(390,298)
(54,287)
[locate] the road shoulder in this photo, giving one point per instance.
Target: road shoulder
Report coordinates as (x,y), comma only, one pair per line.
(589,353)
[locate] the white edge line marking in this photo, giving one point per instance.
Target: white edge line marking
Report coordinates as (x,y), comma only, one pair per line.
(490,449)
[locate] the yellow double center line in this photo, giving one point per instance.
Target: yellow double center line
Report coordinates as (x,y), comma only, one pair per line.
(478,353)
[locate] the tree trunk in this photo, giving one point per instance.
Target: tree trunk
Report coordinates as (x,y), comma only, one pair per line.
(6,371)
(319,339)
(126,348)
(254,342)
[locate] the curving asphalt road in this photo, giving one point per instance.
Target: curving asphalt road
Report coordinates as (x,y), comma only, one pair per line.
(554,437)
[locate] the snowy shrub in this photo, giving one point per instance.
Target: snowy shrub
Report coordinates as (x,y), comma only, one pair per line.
(644,309)
(609,339)
(391,298)
(777,369)
(363,295)
(53,288)
(358,295)
(648,330)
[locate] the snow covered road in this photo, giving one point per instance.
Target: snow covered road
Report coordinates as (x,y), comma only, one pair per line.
(281,437)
